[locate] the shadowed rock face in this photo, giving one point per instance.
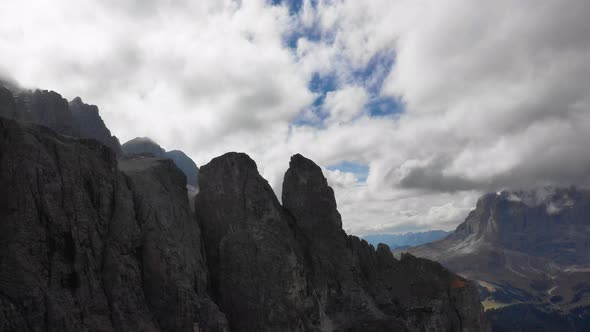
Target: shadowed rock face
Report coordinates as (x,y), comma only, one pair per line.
(256,264)
(145,145)
(92,242)
(50,109)
(84,246)
(186,165)
(269,262)
(90,124)
(307,195)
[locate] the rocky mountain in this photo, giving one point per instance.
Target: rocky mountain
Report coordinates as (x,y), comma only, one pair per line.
(292,267)
(186,165)
(90,124)
(92,241)
(530,253)
(145,145)
(50,109)
(406,240)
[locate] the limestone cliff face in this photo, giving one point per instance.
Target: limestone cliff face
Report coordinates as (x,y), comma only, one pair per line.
(549,222)
(530,253)
(90,124)
(145,145)
(50,109)
(362,288)
(257,267)
(293,268)
(89,242)
(85,246)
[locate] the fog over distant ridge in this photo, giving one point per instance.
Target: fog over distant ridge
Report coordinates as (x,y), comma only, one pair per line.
(440,101)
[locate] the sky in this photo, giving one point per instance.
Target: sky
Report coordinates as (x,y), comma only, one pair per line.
(413,108)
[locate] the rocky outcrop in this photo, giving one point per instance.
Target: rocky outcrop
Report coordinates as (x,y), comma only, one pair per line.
(186,165)
(84,246)
(90,124)
(46,108)
(145,145)
(293,268)
(7,103)
(50,109)
(550,222)
(363,288)
(94,241)
(525,247)
(256,265)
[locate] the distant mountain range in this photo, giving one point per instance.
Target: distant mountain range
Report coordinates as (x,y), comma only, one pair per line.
(530,253)
(399,241)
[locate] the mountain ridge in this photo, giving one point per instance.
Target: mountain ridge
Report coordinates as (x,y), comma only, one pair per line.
(93,240)
(146,145)
(50,109)
(525,247)
(406,240)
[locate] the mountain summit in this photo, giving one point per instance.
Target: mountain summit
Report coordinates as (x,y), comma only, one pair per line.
(146,145)
(529,251)
(92,240)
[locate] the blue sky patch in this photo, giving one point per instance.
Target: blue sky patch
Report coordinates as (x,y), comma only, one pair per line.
(293,5)
(313,33)
(376,71)
(319,85)
(361,171)
(322,83)
(384,106)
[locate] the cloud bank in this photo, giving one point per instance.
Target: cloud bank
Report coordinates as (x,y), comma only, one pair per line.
(441,101)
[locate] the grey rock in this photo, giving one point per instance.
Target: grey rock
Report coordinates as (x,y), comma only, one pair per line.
(361,288)
(293,268)
(84,246)
(527,247)
(90,124)
(143,145)
(50,109)
(94,241)
(256,266)
(147,146)
(186,165)
(7,104)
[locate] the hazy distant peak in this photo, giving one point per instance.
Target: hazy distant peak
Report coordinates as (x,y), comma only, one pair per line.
(142,145)
(143,140)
